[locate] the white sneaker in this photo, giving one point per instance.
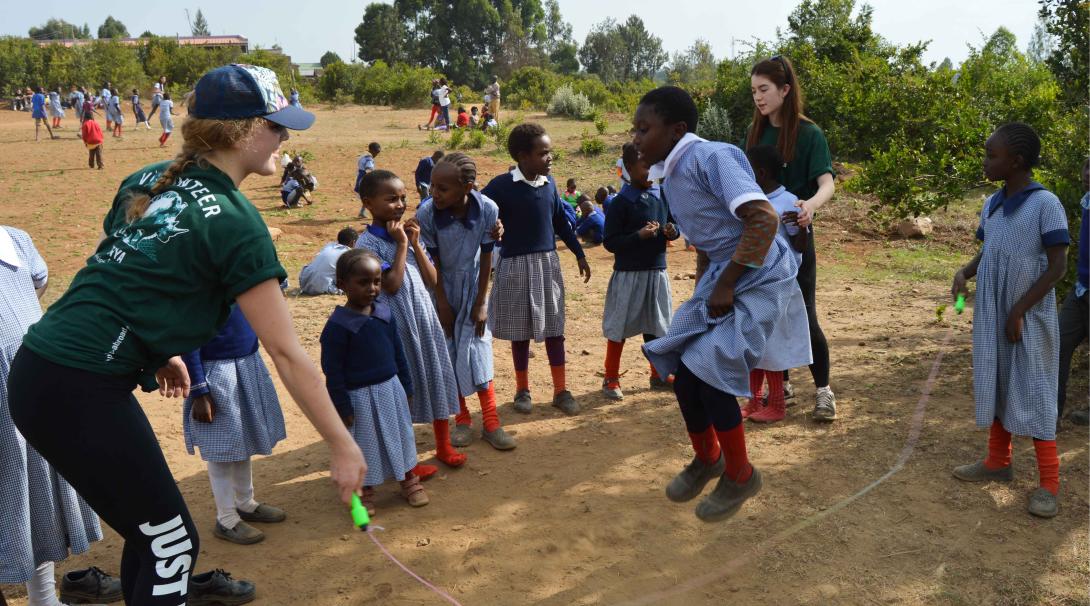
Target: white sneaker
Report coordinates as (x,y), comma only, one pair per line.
(825,405)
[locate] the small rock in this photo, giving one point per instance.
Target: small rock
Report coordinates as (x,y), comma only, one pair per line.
(275,233)
(457,527)
(916,227)
(862,343)
(691,276)
(828,591)
(344,537)
(482,473)
(423,542)
(585,352)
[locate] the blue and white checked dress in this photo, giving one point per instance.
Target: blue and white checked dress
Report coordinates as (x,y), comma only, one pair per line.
(383,430)
(248,420)
(56,110)
(1017,382)
(113,110)
(458,244)
(435,389)
(41,516)
(705,183)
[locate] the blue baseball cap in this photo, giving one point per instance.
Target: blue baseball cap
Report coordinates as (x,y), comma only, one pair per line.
(239,91)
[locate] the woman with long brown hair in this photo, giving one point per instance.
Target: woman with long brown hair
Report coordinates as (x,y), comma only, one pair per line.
(807,172)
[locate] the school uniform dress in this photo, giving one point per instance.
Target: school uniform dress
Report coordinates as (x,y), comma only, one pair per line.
(55,108)
(638,300)
(705,183)
(137,110)
(37,106)
(41,516)
(248,420)
(319,277)
(592,227)
(367,376)
(113,110)
(528,295)
(364,165)
(422,338)
(156,99)
(1016,382)
(458,244)
(165,119)
(784,347)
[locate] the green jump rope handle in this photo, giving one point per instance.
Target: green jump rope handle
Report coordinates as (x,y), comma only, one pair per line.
(959,305)
(359,513)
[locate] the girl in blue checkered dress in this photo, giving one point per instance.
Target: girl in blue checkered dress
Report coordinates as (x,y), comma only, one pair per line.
(233,413)
(745,278)
(1015,326)
(405,288)
(368,377)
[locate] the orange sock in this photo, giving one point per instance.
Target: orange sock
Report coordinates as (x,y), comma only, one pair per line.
(613,362)
(654,373)
(424,472)
(522,380)
(999,447)
(463,418)
(1048,465)
(757,383)
(706,445)
(559,379)
(775,389)
(733,443)
(444,451)
(489,415)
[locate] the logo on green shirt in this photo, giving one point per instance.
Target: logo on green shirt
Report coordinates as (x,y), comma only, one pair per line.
(158,225)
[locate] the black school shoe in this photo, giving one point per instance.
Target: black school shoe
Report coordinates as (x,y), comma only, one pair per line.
(217,588)
(90,586)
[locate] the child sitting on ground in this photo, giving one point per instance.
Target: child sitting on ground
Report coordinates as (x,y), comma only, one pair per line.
(592,223)
(571,194)
(319,277)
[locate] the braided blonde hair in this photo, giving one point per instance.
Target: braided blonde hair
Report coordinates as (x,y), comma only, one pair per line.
(199,137)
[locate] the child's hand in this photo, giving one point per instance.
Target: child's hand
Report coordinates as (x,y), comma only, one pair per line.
(1014,326)
(721,300)
(412,230)
(790,218)
(204,408)
(480,318)
(173,379)
(348,419)
(584,270)
(497,231)
(805,215)
(959,287)
(670,231)
(446,319)
(396,229)
(649,231)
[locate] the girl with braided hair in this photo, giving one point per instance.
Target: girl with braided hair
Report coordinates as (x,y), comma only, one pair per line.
(1015,327)
(181,244)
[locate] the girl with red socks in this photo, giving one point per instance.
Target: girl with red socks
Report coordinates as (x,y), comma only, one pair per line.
(456,226)
(1015,326)
(745,278)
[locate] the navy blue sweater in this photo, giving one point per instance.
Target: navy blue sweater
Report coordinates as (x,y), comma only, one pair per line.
(627,215)
(532,217)
(359,350)
(234,340)
(423,170)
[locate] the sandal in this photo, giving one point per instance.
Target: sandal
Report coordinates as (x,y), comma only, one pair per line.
(367,498)
(413,491)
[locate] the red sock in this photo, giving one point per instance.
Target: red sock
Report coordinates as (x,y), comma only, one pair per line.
(757,382)
(706,445)
(522,380)
(613,362)
(423,471)
(444,451)
(775,388)
(1048,465)
(559,379)
(733,443)
(999,447)
(488,408)
(463,418)
(654,373)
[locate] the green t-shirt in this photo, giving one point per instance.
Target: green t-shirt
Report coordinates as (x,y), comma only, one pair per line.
(163,284)
(812,159)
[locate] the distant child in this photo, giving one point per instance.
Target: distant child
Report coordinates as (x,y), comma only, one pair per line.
(166,118)
(1015,329)
(435,92)
(319,277)
(291,191)
(37,111)
(474,117)
(601,197)
(1075,312)
(104,102)
(571,193)
(456,226)
(138,110)
(638,300)
(233,413)
(591,226)
(368,379)
(527,300)
(462,120)
(405,288)
(156,98)
(423,173)
(88,107)
(364,165)
(55,108)
(113,112)
(93,139)
(745,277)
(486,120)
(767,164)
(294,99)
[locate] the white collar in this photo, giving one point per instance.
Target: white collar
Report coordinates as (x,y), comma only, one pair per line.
(8,254)
(664,168)
(516,175)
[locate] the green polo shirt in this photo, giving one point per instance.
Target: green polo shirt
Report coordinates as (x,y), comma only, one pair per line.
(812,159)
(163,284)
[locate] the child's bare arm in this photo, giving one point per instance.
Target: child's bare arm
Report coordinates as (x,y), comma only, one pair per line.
(423,263)
(393,277)
(963,275)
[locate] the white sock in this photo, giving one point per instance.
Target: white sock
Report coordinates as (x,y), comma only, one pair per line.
(243,482)
(223,491)
(41,589)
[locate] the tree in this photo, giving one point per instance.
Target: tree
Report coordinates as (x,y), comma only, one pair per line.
(697,64)
(112,28)
(1066,21)
(200,25)
(827,26)
(622,51)
(558,31)
(147,34)
(56,29)
(601,50)
(380,35)
(565,59)
(328,58)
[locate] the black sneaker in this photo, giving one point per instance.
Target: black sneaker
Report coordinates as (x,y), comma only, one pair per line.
(217,588)
(90,586)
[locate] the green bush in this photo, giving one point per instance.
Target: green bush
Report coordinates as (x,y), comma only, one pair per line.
(591,146)
(566,102)
(530,86)
(475,140)
(455,140)
(715,124)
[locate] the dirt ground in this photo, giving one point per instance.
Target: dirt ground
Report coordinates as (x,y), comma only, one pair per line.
(576,514)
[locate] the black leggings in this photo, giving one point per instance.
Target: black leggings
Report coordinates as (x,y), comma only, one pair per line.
(93,432)
(818,345)
(703,405)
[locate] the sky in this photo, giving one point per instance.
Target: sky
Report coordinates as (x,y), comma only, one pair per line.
(306,33)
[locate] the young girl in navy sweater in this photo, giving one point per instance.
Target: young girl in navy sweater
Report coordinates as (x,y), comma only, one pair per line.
(528,297)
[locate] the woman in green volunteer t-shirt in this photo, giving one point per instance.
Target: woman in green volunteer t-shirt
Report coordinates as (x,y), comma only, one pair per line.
(181,243)
(808,173)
